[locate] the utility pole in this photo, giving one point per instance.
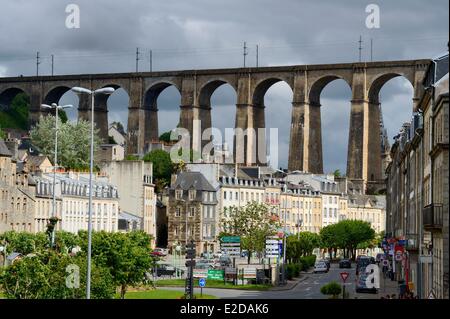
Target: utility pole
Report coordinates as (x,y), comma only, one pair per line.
(53,63)
(137,60)
(151,62)
(257,55)
(245,52)
(38,61)
(360,47)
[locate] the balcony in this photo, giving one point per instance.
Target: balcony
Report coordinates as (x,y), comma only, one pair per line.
(433,217)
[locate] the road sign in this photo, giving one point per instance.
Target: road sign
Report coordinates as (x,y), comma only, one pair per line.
(190,254)
(344,276)
(431,295)
(215,274)
(230,239)
(230,271)
(385,262)
(190,263)
(249,273)
(200,273)
(398,256)
(202,282)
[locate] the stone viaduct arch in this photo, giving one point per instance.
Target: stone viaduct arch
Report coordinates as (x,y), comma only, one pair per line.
(197,86)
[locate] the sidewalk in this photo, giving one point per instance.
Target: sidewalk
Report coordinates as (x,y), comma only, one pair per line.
(291,284)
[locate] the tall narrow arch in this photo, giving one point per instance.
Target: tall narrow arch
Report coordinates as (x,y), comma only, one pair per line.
(15,109)
(162,102)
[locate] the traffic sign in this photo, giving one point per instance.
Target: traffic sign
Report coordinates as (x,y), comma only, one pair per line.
(398,256)
(385,262)
(202,282)
(431,295)
(230,239)
(200,273)
(215,274)
(190,254)
(344,276)
(190,263)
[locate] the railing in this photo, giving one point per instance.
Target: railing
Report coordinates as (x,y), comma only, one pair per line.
(433,216)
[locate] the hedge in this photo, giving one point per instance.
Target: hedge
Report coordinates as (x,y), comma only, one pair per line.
(307,262)
(293,270)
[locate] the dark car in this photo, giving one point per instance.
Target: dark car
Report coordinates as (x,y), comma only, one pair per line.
(345,263)
(167,270)
(361,284)
(225,261)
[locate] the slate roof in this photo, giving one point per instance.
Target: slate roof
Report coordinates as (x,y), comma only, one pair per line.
(4,151)
(36,160)
(195,180)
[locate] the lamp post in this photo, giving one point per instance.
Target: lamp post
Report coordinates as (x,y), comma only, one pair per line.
(284,234)
(55,164)
(92,93)
(299,224)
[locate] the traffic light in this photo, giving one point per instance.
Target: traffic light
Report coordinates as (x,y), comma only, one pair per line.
(190,263)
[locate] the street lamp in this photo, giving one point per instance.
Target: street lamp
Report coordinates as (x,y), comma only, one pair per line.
(92,93)
(56,107)
(299,224)
(285,232)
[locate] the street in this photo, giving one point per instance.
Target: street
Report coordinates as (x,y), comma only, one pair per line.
(308,288)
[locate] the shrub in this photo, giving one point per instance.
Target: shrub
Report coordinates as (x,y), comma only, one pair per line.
(307,262)
(332,288)
(293,270)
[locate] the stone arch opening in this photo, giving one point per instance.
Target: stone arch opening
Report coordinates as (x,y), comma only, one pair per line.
(276,95)
(330,124)
(162,102)
(62,95)
(117,106)
(391,100)
(217,100)
(14,109)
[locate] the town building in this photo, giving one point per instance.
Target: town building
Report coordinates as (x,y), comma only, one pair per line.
(192,212)
(417,189)
(134,182)
(72,194)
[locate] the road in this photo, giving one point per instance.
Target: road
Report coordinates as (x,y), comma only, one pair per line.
(308,288)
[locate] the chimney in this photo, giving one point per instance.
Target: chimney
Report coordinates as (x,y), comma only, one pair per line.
(173,179)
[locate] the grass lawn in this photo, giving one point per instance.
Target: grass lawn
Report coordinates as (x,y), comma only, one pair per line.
(160,294)
(210,284)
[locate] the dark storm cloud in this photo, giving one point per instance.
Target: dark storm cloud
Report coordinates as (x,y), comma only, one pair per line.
(209,34)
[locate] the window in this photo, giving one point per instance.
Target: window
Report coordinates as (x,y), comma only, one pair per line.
(192,194)
(178,212)
(236,197)
(192,211)
(224,195)
(178,194)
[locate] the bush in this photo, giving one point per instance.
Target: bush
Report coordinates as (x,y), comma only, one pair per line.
(307,262)
(332,288)
(293,270)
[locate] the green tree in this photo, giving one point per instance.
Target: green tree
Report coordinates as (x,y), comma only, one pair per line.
(16,116)
(337,173)
(23,242)
(2,133)
(162,167)
(73,141)
(165,137)
(253,223)
(126,255)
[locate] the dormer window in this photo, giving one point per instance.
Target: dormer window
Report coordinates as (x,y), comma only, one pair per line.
(178,194)
(192,194)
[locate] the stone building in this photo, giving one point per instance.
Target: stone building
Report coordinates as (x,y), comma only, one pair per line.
(369,208)
(72,194)
(134,182)
(417,189)
(16,194)
(192,212)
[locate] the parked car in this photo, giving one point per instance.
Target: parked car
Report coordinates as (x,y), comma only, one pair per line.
(206,255)
(167,270)
(345,263)
(327,262)
(244,253)
(361,284)
(202,264)
(225,261)
(160,251)
(320,266)
(157,253)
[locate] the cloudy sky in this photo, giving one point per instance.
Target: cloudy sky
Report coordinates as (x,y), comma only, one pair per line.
(188,34)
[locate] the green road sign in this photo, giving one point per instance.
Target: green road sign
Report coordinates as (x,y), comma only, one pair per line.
(215,274)
(230,239)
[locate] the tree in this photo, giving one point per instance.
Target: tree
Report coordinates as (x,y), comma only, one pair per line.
(162,166)
(2,133)
(304,245)
(16,116)
(126,255)
(74,141)
(337,173)
(165,137)
(253,223)
(23,242)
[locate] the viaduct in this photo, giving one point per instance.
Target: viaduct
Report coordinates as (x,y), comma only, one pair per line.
(196,87)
